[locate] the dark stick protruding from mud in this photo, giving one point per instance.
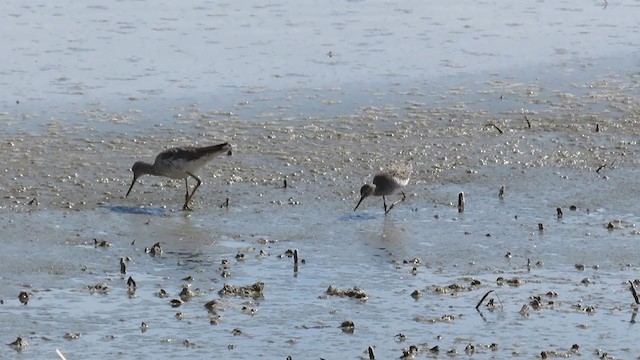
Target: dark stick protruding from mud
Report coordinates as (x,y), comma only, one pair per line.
(225,204)
(496,127)
(295,260)
(123,267)
(484,297)
(284,186)
(501,192)
(528,122)
(131,283)
(597,127)
(540,227)
(461,201)
(604,166)
(372,356)
(33,201)
(634,293)
(559,212)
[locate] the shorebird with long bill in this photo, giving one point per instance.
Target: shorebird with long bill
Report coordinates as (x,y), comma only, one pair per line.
(387,182)
(180,163)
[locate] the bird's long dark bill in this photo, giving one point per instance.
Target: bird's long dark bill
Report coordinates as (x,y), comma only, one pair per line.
(131,187)
(361,198)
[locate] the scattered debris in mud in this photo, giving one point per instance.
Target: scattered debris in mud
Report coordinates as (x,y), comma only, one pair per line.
(444,318)
(355,292)
(348,326)
(19,344)
(254,290)
(72,336)
(156,249)
(100,288)
(515,282)
(101,243)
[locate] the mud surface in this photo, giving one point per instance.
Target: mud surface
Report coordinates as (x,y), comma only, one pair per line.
(559,132)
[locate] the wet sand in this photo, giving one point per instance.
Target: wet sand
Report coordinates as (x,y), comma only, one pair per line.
(555,134)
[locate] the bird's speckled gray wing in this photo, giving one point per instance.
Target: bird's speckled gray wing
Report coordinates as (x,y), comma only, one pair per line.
(400,172)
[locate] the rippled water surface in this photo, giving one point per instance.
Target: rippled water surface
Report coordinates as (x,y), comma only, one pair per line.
(538,97)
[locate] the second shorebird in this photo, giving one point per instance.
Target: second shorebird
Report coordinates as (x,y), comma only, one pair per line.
(388,182)
(180,163)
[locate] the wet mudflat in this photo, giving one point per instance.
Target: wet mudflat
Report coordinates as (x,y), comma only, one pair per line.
(412,277)
(529,116)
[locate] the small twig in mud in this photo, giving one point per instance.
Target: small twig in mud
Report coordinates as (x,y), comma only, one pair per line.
(559,212)
(484,297)
(225,204)
(501,192)
(371,354)
(597,128)
(33,201)
(528,122)
(461,202)
(285,184)
(604,166)
(496,127)
(634,293)
(60,354)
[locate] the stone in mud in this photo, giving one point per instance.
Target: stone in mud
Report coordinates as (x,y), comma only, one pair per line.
(186,294)
(23,297)
(348,326)
(409,353)
(100,243)
(156,249)
(72,336)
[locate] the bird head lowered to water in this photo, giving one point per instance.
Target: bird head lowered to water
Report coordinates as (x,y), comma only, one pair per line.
(179,163)
(139,168)
(365,191)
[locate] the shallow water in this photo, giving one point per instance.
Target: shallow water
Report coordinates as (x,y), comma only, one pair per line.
(479,104)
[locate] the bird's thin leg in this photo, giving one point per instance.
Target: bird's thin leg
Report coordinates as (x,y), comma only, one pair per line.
(404,197)
(384,201)
(188,198)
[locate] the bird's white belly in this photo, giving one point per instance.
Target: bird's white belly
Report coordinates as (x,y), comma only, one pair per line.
(180,169)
